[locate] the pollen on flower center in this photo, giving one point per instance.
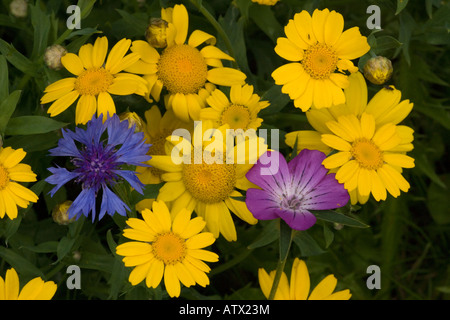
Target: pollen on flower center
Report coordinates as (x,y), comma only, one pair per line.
(169,248)
(236,116)
(367,154)
(4,177)
(320,61)
(209,183)
(182,69)
(93,81)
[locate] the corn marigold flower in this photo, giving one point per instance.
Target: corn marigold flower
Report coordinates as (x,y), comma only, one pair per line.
(188,73)
(317,47)
(157,128)
(35,289)
(369,134)
(13,194)
(239,112)
(207,178)
(167,245)
(95,80)
(99,164)
(298,288)
(292,190)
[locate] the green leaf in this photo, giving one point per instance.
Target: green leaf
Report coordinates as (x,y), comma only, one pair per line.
(328,235)
(44,247)
(4,80)
(17,59)
(336,217)
(385,43)
(277,99)
(286,234)
(268,235)
(23,266)
(264,18)
(307,244)
(438,201)
(26,125)
(401,4)
(41,25)
(7,108)
(64,247)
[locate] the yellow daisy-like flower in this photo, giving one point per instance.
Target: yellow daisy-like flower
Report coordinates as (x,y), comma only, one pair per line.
(95,80)
(299,286)
(369,134)
(187,72)
(167,245)
(156,130)
(13,194)
(35,289)
(317,47)
(239,112)
(209,175)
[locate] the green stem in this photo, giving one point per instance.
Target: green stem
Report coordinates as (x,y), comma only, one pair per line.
(218,28)
(276,280)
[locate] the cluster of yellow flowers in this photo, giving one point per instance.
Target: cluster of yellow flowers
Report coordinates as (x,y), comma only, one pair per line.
(365,144)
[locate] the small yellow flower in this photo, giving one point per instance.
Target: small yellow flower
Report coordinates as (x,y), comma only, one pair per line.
(35,289)
(299,286)
(239,112)
(378,70)
(95,80)
(13,194)
(156,33)
(187,72)
(167,244)
(320,54)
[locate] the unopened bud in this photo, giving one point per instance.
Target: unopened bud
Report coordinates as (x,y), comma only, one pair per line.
(52,56)
(133,119)
(156,33)
(19,8)
(266,2)
(60,215)
(378,70)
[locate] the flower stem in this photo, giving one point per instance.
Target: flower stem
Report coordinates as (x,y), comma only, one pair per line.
(286,236)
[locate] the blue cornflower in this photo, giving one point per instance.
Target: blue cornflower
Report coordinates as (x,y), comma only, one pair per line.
(99,164)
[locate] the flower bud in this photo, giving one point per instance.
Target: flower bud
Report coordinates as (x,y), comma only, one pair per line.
(19,8)
(133,119)
(156,33)
(266,2)
(60,215)
(52,56)
(378,70)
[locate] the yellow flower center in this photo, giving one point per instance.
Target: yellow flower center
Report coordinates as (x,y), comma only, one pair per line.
(182,69)
(169,248)
(209,183)
(367,154)
(93,81)
(320,61)
(237,116)
(4,177)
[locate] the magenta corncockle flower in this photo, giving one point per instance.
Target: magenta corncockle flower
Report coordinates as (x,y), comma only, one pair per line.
(290,191)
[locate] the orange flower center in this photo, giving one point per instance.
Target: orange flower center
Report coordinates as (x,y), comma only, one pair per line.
(237,116)
(93,81)
(169,248)
(367,154)
(320,61)
(4,177)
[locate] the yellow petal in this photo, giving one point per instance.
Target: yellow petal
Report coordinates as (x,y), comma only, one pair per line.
(198,37)
(99,51)
(181,21)
(62,103)
(226,76)
(86,108)
(324,289)
(72,63)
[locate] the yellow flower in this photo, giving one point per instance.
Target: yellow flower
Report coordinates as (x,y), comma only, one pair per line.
(187,72)
(35,289)
(13,194)
(370,144)
(95,80)
(239,112)
(156,130)
(299,286)
(208,176)
(317,47)
(167,245)
(266,2)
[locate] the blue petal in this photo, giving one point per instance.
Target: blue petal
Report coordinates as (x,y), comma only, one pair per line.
(131,178)
(84,203)
(60,177)
(111,204)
